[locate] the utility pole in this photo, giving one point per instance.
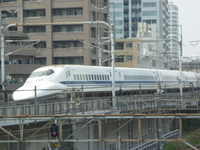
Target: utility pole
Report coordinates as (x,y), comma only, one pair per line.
(2,53)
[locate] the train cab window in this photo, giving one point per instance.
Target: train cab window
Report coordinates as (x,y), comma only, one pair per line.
(48,72)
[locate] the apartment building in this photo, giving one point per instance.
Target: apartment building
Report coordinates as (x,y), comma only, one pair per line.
(127,53)
(51,40)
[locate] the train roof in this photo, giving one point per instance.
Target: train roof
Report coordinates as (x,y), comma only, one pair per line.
(68,65)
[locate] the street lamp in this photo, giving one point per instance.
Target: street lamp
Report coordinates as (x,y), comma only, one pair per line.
(2,53)
(180,43)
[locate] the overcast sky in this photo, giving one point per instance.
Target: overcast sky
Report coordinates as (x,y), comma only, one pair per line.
(189,18)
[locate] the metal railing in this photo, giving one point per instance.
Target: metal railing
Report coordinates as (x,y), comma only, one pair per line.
(141,103)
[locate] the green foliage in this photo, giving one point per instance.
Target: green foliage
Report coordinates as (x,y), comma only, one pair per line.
(194,139)
(174,146)
(67,146)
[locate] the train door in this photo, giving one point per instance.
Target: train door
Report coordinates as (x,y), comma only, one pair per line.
(69,77)
(160,82)
(118,78)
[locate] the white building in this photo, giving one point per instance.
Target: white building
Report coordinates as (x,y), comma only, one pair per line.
(145,20)
(173,29)
(128,13)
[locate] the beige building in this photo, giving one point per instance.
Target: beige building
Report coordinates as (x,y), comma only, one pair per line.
(127,53)
(54,43)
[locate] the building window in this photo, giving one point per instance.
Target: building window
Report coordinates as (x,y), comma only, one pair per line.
(93,16)
(118,31)
(149,13)
(152,21)
(68,60)
(153,63)
(93,2)
(93,32)
(40,45)
(119,46)
(35,13)
(67,44)
(119,58)
(9,0)
(41,61)
(149,4)
(35,29)
(129,45)
(9,14)
(129,57)
(75,12)
(69,28)
(94,62)
(68,12)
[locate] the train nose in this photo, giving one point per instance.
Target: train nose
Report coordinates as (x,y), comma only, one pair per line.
(23,95)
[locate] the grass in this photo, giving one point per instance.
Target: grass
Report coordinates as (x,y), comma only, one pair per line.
(192,138)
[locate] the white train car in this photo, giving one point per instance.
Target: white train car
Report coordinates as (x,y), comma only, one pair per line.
(58,80)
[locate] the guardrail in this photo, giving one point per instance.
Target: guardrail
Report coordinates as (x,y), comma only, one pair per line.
(141,103)
(153,145)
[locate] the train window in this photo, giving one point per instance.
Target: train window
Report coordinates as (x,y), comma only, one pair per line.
(77,77)
(108,77)
(86,77)
(133,77)
(80,76)
(36,74)
(48,72)
(74,77)
(100,77)
(89,77)
(95,77)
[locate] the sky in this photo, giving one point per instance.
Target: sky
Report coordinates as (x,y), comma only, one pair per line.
(189,18)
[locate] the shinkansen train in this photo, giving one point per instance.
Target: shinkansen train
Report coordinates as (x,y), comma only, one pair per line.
(58,80)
